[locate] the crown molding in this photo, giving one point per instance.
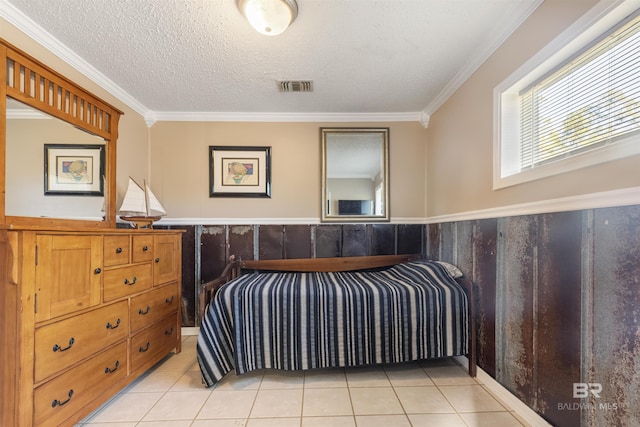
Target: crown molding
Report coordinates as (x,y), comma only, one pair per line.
(185,116)
(485,50)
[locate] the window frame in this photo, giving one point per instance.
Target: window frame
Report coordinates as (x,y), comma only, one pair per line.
(506,162)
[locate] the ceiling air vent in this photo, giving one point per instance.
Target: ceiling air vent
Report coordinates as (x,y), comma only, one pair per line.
(295,85)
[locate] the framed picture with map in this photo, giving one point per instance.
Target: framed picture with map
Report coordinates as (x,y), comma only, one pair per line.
(238,171)
(74,169)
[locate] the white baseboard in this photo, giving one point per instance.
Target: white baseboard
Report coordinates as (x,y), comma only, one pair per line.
(524,412)
(189,331)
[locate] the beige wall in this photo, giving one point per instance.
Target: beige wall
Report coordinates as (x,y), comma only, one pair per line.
(180,168)
(460,133)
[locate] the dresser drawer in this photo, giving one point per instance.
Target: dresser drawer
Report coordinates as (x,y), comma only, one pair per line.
(142,248)
(152,306)
(121,282)
(116,250)
(151,344)
(58,399)
(60,345)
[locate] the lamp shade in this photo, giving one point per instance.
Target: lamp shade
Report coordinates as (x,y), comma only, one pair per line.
(269,17)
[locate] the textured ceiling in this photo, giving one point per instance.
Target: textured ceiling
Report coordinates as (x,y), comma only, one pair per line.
(370,57)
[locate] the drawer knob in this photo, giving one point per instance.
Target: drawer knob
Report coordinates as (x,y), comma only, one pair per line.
(110,326)
(97,271)
(157,260)
(132,282)
(118,250)
(169,331)
(108,370)
(143,349)
(58,348)
(145,248)
(169,300)
(57,402)
(144,312)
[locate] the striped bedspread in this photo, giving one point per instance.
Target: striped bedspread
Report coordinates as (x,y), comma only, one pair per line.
(297,321)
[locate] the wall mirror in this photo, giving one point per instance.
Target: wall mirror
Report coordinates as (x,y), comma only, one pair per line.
(27,132)
(42,107)
(355,174)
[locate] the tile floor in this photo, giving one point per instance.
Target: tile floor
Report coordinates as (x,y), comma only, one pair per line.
(435,393)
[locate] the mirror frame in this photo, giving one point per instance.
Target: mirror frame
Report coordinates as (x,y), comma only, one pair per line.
(324,216)
(31,82)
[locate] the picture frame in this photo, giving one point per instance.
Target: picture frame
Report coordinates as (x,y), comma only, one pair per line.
(74,170)
(239,171)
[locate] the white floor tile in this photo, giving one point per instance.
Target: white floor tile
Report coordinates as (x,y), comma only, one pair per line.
(279,380)
(382,421)
(326,401)
(449,375)
(407,375)
(438,420)
(179,405)
(423,400)
(375,401)
(328,422)
(189,381)
(131,424)
(471,398)
(126,407)
(491,419)
(228,404)
(165,423)
(248,381)
(241,422)
(277,403)
(325,378)
(155,381)
(274,422)
(367,377)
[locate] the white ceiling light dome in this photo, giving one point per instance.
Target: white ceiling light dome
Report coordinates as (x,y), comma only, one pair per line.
(269,17)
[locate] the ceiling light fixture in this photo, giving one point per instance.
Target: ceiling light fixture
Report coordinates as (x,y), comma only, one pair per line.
(269,17)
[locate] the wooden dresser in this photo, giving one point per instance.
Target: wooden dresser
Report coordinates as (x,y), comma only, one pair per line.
(84,313)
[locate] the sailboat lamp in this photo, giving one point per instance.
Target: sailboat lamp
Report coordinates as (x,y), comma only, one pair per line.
(140,206)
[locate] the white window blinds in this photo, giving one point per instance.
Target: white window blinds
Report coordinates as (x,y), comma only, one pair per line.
(589,101)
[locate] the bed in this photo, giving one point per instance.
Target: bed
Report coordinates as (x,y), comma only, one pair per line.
(300,314)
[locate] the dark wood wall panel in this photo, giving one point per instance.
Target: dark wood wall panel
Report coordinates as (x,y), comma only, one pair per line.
(410,238)
(270,241)
(328,241)
(213,251)
(484,271)
(447,242)
(557,362)
(515,298)
(355,240)
(615,350)
(240,241)
(383,239)
(433,241)
(298,241)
